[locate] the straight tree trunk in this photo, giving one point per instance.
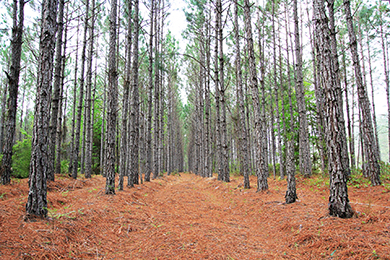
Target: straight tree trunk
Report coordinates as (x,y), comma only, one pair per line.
(75,159)
(370,144)
(88,104)
(3,114)
(156,168)
(385,67)
(336,73)
(224,170)
(338,199)
(72,141)
(373,100)
(350,124)
(262,183)
(125,103)
(291,193)
(59,136)
(134,114)
(37,197)
(102,132)
(56,90)
(150,98)
(13,85)
(112,102)
(240,96)
(304,146)
(22,112)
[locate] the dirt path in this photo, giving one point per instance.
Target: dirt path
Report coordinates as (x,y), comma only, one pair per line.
(189,217)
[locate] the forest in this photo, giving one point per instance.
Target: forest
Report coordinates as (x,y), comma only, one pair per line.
(124,136)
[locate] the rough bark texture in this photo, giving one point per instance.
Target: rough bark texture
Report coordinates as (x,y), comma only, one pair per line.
(56,90)
(88,103)
(37,197)
(244,155)
(291,193)
(112,103)
(75,160)
(304,146)
(72,140)
(262,183)
(338,198)
(134,114)
(125,103)
(150,98)
(61,105)
(372,152)
(156,166)
(224,169)
(13,85)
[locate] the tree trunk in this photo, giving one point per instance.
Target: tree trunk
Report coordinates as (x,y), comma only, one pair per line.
(13,85)
(262,183)
(373,101)
(387,80)
(338,171)
(75,160)
(56,90)
(240,96)
(156,168)
(37,196)
(370,144)
(72,141)
(88,104)
(150,98)
(304,145)
(350,124)
(112,102)
(134,114)
(125,103)
(59,136)
(3,115)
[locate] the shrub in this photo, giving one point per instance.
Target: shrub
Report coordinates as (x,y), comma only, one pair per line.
(21,159)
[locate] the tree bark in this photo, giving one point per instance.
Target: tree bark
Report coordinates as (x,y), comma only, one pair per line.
(13,86)
(338,171)
(149,152)
(262,183)
(370,144)
(112,102)
(240,96)
(305,166)
(75,160)
(88,104)
(134,114)
(59,136)
(37,197)
(125,103)
(56,90)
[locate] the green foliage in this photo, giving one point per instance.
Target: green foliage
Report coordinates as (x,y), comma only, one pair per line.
(64,165)
(21,159)
(358,180)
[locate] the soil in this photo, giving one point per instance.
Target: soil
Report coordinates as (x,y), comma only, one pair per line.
(189,217)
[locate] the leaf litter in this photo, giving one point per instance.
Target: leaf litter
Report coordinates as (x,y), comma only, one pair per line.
(189,217)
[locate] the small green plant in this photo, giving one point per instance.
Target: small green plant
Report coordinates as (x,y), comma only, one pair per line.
(21,159)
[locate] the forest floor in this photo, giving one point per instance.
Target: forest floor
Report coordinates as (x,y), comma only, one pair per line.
(189,217)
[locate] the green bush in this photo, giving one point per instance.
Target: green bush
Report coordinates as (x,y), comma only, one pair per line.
(21,159)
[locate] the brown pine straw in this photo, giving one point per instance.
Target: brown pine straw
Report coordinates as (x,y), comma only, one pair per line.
(189,217)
